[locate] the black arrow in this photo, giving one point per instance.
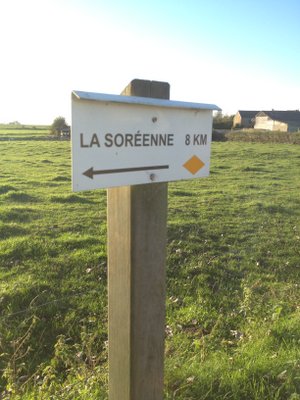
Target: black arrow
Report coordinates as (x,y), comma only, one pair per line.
(91,171)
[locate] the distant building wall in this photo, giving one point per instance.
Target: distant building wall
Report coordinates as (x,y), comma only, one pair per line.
(264,122)
(280,126)
(294,127)
(247,122)
(237,120)
(244,119)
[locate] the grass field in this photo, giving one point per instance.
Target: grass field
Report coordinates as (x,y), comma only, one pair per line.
(8,132)
(233,269)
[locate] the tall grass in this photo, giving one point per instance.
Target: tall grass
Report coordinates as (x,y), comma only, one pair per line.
(255,136)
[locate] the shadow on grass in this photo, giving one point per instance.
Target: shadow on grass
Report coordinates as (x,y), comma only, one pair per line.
(61,178)
(6,188)
(20,214)
(20,197)
(72,198)
(7,231)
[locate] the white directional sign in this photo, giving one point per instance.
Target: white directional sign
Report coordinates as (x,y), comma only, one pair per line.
(124,140)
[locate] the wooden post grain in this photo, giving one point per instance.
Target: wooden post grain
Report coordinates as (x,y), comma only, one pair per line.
(137,221)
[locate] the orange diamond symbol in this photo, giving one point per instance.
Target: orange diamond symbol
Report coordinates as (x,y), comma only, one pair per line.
(193,165)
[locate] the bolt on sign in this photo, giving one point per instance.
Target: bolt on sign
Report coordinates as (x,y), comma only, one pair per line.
(126,140)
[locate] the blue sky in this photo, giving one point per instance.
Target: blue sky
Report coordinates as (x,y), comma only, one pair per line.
(241,54)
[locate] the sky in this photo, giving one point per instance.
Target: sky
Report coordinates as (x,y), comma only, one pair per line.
(237,54)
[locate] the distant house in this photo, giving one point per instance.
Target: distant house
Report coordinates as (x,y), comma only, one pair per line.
(65,132)
(244,119)
(284,121)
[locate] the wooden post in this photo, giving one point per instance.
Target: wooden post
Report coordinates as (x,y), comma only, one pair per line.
(137,224)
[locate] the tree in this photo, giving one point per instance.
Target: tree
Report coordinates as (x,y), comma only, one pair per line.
(58,125)
(221,121)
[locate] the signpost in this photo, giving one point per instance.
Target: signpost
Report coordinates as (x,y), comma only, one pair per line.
(131,145)
(122,140)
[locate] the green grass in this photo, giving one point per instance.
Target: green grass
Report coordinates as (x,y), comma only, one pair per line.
(233,269)
(12,132)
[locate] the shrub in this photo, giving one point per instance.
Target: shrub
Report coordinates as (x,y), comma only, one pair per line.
(58,125)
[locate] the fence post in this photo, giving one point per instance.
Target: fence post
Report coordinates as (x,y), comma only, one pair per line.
(137,225)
